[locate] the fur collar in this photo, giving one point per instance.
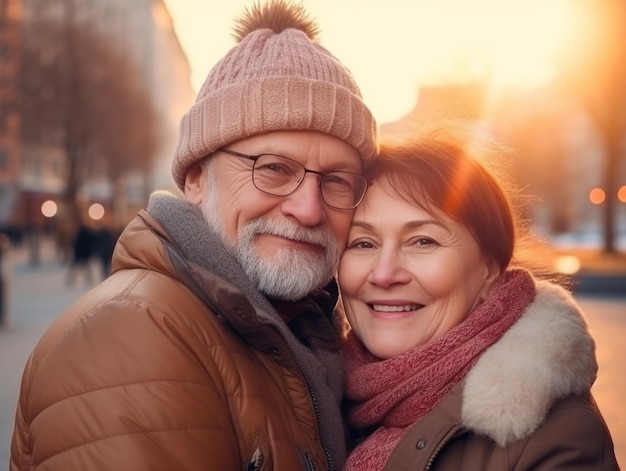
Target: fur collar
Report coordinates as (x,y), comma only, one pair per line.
(547,355)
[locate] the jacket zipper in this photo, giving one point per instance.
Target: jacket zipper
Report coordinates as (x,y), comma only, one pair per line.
(441,445)
(329,459)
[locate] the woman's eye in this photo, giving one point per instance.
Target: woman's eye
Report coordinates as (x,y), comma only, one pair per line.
(425,242)
(360,244)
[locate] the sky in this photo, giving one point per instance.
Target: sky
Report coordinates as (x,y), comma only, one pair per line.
(393,47)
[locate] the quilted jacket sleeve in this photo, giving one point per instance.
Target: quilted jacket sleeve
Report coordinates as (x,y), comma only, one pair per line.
(126,384)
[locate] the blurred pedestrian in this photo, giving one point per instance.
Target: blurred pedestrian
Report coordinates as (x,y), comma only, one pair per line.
(103,244)
(82,251)
(64,232)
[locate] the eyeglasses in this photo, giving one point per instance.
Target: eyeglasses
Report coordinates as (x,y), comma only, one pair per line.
(280,176)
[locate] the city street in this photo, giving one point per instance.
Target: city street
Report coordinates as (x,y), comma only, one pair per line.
(607,321)
(38,293)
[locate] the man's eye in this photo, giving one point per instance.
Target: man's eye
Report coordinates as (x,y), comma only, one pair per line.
(273,168)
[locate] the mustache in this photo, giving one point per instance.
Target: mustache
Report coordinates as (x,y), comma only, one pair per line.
(316,236)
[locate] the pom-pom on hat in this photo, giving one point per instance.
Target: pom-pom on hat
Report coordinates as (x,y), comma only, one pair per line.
(278,77)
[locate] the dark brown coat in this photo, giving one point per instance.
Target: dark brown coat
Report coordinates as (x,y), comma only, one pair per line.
(573,437)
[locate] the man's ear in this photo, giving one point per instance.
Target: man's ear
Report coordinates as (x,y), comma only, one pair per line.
(194,184)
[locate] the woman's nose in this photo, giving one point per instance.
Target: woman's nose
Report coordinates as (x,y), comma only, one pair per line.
(389,270)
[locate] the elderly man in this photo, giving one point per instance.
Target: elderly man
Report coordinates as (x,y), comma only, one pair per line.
(211,345)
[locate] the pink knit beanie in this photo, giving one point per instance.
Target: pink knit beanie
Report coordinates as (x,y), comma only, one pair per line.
(277,78)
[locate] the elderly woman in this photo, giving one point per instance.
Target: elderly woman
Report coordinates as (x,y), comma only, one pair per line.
(461,354)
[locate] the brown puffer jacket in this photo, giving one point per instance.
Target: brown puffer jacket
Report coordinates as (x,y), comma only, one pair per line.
(524,406)
(140,374)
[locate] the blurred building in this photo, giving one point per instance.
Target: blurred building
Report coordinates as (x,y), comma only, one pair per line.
(32,172)
(10,16)
(144,29)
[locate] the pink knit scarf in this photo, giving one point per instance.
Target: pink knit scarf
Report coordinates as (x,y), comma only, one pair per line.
(392,394)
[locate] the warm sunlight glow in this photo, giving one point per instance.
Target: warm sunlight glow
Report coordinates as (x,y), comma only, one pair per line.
(511,43)
(621,194)
(394,47)
(49,208)
(567,264)
(597,196)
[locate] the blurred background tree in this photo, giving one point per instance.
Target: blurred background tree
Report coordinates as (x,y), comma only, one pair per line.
(594,71)
(569,133)
(80,93)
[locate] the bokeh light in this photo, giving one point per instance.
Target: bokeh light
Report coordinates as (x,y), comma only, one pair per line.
(49,208)
(621,194)
(567,264)
(597,196)
(96,211)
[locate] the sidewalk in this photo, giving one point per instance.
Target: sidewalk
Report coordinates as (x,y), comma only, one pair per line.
(37,294)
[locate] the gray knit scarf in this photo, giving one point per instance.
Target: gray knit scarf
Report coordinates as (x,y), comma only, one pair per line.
(197,243)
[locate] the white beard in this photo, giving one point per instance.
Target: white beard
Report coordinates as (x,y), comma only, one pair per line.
(292,273)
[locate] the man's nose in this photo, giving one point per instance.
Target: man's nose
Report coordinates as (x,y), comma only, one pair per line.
(306,203)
